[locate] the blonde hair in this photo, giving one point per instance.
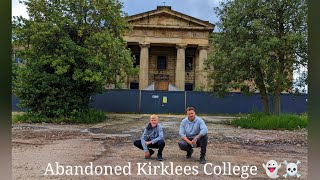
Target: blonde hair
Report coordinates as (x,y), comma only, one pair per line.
(154,116)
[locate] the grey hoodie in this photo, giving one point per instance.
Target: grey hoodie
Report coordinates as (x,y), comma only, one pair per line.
(191,129)
(151,134)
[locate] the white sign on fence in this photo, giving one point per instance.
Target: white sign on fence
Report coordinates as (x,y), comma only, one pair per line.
(155,96)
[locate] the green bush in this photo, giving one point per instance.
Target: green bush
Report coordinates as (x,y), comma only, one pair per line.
(277,122)
(86,117)
(64,62)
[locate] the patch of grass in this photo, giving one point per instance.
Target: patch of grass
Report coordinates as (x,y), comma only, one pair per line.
(85,117)
(263,121)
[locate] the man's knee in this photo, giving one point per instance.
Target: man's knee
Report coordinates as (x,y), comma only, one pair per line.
(137,143)
(161,143)
(204,138)
(203,141)
(183,145)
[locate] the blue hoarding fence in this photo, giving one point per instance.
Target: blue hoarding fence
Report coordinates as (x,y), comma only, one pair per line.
(166,102)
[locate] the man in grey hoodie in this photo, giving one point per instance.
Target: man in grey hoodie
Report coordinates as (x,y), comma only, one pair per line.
(193,132)
(152,137)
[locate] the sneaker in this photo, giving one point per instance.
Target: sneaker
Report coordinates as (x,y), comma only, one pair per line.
(148,154)
(202,160)
(189,153)
(159,157)
(151,152)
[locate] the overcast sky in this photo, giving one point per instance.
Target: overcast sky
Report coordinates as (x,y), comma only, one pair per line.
(201,9)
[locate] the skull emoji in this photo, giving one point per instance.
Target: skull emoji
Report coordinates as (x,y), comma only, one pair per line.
(292,169)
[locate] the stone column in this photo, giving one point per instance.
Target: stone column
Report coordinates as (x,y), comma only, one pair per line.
(180,66)
(144,65)
(200,74)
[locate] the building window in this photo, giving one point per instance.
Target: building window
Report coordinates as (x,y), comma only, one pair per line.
(162,63)
(134,85)
(188,87)
(188,64)
(137,60)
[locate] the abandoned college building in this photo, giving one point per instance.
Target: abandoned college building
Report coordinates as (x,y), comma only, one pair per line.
(170,48)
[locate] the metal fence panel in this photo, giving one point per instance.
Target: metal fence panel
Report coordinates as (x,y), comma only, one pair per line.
(117,101)
(231,103)
(161,102)
(14,103)
(293,103)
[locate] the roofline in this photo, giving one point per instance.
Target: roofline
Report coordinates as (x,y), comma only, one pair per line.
(168,9)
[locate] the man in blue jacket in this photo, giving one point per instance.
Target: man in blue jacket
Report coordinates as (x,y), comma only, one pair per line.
(152,137)
(193,132)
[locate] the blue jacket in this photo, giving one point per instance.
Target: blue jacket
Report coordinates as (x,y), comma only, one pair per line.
(192,129)
(151,134)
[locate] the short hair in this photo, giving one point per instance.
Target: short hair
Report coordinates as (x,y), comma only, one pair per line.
(190,108)
(154,116)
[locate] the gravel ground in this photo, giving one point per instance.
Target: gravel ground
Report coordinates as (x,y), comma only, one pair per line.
(37,146)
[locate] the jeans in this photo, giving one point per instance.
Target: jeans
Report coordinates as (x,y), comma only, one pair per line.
(160,145)
(201,142)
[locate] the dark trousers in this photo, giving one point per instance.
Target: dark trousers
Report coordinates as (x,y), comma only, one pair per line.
(160,145)
(201,142)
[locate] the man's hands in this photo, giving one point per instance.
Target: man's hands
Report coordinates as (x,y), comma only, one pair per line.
(148,142)
(147,154)
(192,143)
(194,140)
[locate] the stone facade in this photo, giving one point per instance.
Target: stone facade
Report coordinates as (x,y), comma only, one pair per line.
(170,48)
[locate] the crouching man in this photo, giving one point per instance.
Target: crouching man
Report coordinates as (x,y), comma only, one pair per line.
(152,137)
(193,132)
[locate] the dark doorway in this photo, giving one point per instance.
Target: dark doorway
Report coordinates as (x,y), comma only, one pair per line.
(188,87)
(134,85)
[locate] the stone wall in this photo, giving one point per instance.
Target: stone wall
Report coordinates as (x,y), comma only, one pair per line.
(170,53)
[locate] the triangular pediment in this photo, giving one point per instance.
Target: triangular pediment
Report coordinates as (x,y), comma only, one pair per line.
(164,17)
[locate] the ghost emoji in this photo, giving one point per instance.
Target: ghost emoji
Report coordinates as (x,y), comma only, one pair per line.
(272,168)
(292,169)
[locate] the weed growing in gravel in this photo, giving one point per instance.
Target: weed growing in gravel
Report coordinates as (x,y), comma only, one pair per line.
(85,117)
(279,122)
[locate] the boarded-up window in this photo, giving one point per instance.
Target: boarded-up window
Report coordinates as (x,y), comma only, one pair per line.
(162,62)
(188,64)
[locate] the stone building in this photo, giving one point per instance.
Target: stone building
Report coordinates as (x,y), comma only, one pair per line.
(170,48)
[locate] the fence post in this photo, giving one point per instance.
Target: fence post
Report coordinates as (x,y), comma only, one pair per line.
(139,102)
(185,100)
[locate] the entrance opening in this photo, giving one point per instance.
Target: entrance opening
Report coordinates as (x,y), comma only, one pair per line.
(161,82)
(188,87)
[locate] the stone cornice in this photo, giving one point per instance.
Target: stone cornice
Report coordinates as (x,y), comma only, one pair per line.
(171,27)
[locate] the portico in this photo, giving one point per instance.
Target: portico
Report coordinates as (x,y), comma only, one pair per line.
(170,48)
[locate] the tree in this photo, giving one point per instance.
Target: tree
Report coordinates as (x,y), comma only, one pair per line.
(261,41)
(71,50)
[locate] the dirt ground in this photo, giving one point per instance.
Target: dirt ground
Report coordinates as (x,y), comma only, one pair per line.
(110,143)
